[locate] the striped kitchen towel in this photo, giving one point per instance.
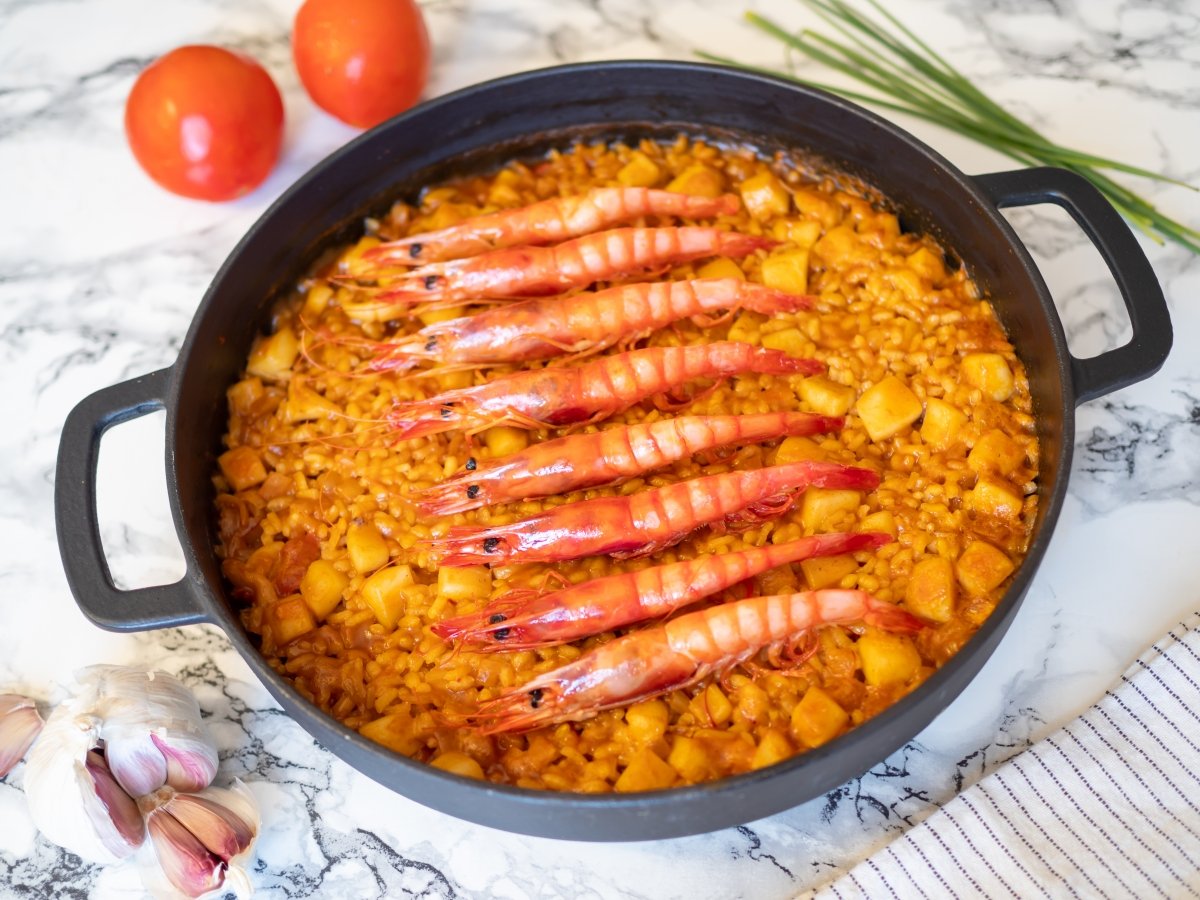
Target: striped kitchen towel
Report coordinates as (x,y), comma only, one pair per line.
(1107,806)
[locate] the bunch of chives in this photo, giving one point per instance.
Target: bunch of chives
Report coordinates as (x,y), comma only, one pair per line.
(909,76)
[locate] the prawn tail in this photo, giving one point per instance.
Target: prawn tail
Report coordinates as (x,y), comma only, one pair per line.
(852,478)
(761,299)
(745,244)
(890,617)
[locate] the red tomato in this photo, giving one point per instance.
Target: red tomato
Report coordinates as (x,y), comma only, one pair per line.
(205,123)
(361,60)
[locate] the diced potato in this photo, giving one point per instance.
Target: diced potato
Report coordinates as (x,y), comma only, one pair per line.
(824,571)
(774,747)
(879,521)
(465,582)
(927,264)
(932,590)
(640,171)
(995,451)
(289,618)
(803,234)
(503,195)
(317,299)
(907,282)
(647,771)
(982,567)
(243,395)
(791,341)
(817,718)
(368,550)
(990,373)
(384,594)
(837,246)
(764,196)
(504,439)
(823,507)
(887,408)
(453,381)
(721,267)
(717,704)
(786,271)
(747,327)
(393,731)
(699,181)
(815,205)
(459,764)
(690,759)
(272,356)
(242,467)
(825,397)
(322,587)
(795,448)
(647,720)
(352,261)
(942,423)
(303,404)
(887,658)
(994,497)
(433,316)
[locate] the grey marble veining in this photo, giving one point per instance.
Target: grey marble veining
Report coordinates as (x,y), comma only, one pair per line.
(100,273)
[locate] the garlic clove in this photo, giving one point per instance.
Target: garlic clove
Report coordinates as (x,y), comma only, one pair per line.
(191,762)
(113,813)
(220,829)
(151,727)
(224,823)
(20,724)
(186,862)
(58,785)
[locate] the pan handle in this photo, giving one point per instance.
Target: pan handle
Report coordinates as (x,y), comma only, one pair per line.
(1151,342)
(108,606)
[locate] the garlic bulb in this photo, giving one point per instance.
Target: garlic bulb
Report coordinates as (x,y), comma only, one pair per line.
(200,841)
(20,724)
(124,734)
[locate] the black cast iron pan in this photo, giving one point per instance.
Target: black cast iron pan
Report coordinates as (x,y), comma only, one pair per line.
(523,116)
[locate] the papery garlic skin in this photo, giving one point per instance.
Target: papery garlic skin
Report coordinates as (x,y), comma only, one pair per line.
(201,842)
(62,794)
(20,724)
(151,727)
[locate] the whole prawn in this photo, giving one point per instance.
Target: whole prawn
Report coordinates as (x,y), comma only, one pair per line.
(548,222)
(679,653)
(562,395)
(588,322)
(638,524)
(533,271)
(526,619)
(580,461)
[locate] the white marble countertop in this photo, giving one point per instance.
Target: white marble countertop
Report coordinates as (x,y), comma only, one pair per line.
(100,273)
